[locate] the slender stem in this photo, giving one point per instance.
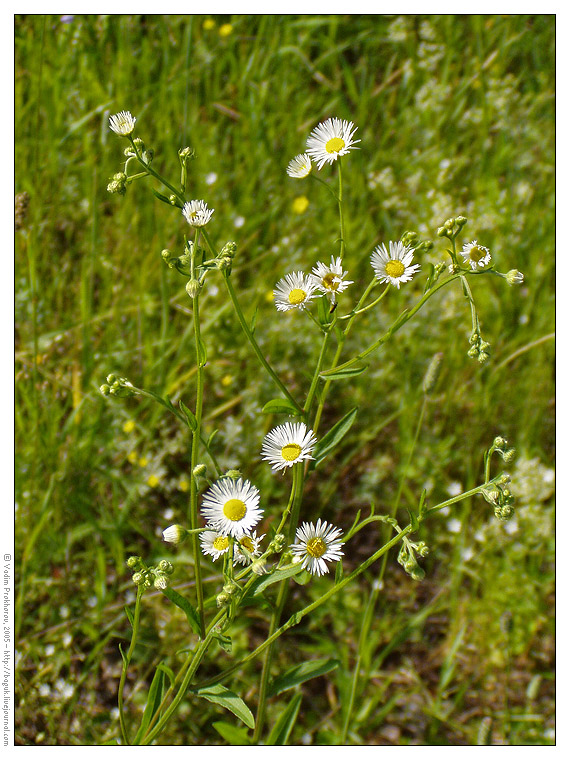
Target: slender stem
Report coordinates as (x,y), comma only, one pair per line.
(340,211)
(126,662)
(155,174)
(318,368)
(253,342)
(404,317)
(194,453)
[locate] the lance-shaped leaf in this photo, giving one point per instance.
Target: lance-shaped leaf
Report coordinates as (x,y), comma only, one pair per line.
(280,732)
(280,406)
(278,575)
(334,436)
(232,734)
(341,374)
(220,695)
(301,673)
(185,606)
(152,703)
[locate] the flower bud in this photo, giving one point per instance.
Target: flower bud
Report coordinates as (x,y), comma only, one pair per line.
(441,232)
(258,566)
(460,221)
(278,543)
(105,389)
(193,288)
(509,455)
(499,442)
(175,534)
(199,471)
(233,474)
(160,581)
(448,224)
(222,599)
(135,563)
(138,579)
(514,277)
(166,567)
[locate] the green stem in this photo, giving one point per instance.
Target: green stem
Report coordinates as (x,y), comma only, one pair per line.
(155,174)
(253,342)
(126,663)
(340,211)
(318,368)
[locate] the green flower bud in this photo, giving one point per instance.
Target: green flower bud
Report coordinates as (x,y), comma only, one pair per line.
(233,474)
(166,567)
(173,200)
(483,356)
(135,563)
(278,543)
(111,379)
(448,224)
(499,443)
(509,455)
(514,277)
(161,581)
(230,588)
(186,153)
(441,232)
(199,471)
(138,579)
(460,221)
(105,389)
(409,238)
(473,352)
(258,566)
(193,288)
(222,599)
(175,534)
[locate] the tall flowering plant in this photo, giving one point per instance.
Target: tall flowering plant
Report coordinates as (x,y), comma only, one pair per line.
(224,518)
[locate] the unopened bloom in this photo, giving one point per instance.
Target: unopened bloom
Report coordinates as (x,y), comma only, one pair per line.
(329,279)
(514,277)
(329,140)
(293,291)
(316,545)
(174,534)
(122,123)
(214,543)
(232,507)
(247,548)
(475,255)
(394,267)
(287,444)
(300,166)
(197,213)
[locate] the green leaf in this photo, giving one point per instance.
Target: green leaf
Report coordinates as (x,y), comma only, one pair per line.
(341,374)
(333,437)
(123,655)
(280,406)
(301,673)
(202,353)
(303,578)
(185,606)
(152,703)
(167,671)
(323,311)
(190,417)
(278,575)
(413,520)
(225,642)
(281,730)
(161,197)
(220,695)
(232,734)
(339,572)
(422,506)
(129,615)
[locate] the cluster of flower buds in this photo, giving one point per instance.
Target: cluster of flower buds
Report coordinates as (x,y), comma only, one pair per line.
(118,184)
(452,227)
(157,577)
(501,446)
(407,558)
(117,386)
(479,348)
(146,154)
(501,499)
(411,240)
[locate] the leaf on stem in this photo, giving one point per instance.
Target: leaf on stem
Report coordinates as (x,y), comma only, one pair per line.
(280,732)
(341,374)
(334,436)
(152,703)
(280,406)
(278,575)
(130,616)
(185,606)
(220,695)
(301,673)
(190,417)
(232,734)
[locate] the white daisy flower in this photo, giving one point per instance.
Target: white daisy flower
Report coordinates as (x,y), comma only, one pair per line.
(300,166)
(329,140)
(287,444)
(246,548)
(475,255)
(122,123)
(293,291)
(214,543)
(232,507)
(329,279)
(316,545)
(197,213)
(393,267)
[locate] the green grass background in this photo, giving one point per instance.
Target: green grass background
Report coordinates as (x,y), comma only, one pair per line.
(455,116)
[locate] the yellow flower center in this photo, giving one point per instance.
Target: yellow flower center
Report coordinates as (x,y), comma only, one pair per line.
(395,268)
(297,296)
(220,543)
(477,253)
(316,547)
(331,281)
(334,145)
(247,543)
(290,451)
(153,481)
(234,509)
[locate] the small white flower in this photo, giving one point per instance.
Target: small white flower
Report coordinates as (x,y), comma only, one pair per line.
(329,140)
(211,178)
(287,444)
(293,291)
(476,255)
(300,166)
(316,545)
(174,534)
(329,279)
(122,123)
(247,548)
(214,544)
(393,267)
(197,213)
(231,507)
